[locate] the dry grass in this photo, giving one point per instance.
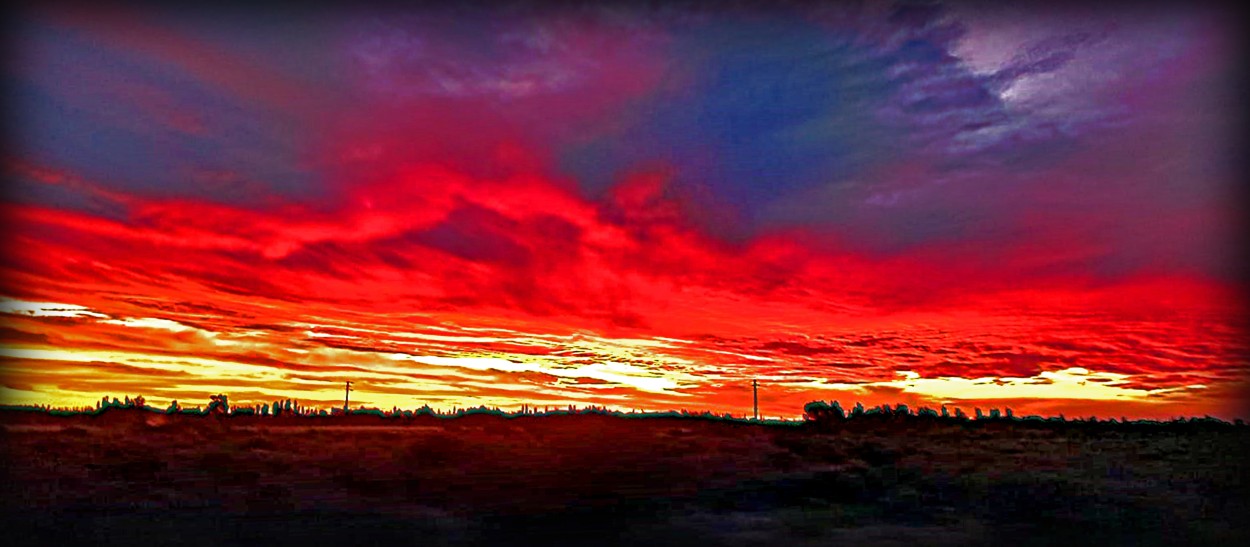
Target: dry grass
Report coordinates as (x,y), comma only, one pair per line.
(604,480)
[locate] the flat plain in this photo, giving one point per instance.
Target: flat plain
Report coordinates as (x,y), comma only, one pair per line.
(128,477)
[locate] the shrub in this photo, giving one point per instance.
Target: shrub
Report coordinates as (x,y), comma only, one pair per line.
(218,404)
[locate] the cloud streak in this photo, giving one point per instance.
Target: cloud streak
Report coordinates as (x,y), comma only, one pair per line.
(640,208)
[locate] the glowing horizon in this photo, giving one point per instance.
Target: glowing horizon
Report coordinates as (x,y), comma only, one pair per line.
(971,207)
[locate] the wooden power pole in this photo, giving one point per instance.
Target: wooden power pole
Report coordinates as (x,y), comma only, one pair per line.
(755,394)
(347,388)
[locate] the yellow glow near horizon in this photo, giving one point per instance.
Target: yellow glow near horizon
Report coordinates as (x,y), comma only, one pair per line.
(1069,383)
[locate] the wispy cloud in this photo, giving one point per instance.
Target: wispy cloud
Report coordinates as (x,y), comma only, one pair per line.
(640,207)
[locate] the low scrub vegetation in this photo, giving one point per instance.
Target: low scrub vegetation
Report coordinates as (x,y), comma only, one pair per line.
(115,475)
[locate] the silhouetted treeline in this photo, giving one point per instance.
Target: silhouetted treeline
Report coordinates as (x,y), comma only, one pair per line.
(220,406)
(825,416)
(817,415)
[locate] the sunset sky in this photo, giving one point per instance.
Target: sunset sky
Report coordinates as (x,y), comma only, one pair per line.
(978,205)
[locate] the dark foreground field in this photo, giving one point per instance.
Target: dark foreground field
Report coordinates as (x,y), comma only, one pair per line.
(134,478)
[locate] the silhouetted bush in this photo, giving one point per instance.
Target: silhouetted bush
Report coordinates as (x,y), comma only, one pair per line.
(218,405)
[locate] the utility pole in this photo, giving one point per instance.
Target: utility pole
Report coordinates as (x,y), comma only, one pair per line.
(347,388)
(755,393)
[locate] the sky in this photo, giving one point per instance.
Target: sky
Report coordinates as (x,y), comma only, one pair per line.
(976,205)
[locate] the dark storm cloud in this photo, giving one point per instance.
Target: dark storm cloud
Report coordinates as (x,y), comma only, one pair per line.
(115,115)
(809,118)
(902,126)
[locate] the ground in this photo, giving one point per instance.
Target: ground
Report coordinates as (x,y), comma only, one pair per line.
(133,477)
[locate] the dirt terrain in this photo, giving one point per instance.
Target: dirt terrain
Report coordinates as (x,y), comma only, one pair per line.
(130,477)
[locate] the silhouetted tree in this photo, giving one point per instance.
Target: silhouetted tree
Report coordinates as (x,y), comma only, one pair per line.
(836,408)
(219,404)
(822,412)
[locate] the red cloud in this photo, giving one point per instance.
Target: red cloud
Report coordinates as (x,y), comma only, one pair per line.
(443,231)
